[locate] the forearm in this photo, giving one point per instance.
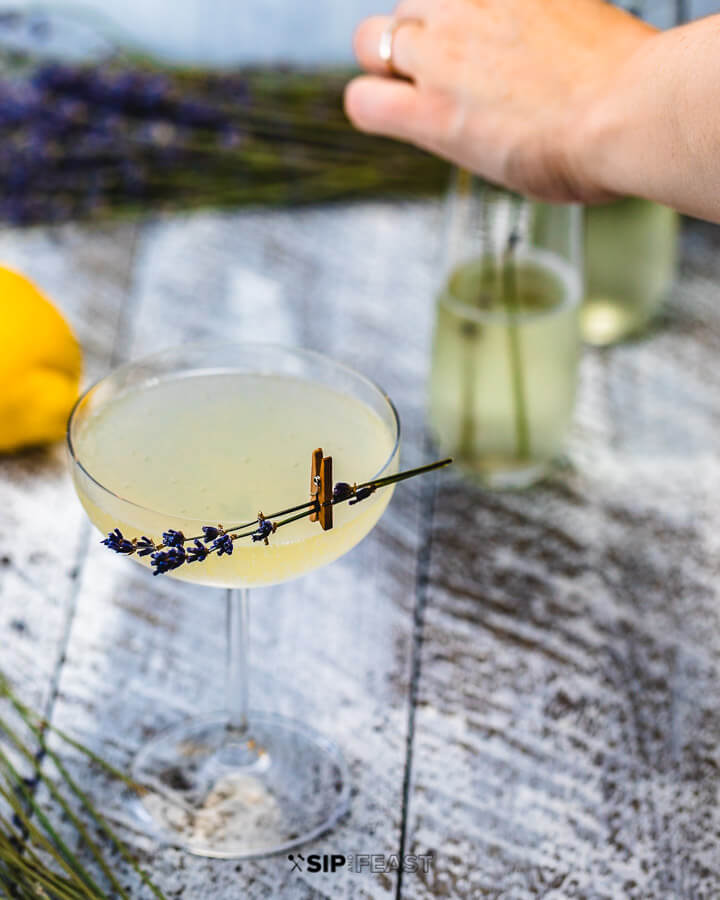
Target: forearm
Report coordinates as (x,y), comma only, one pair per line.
(654,130)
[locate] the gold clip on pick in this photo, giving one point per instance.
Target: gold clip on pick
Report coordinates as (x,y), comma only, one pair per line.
(321,489)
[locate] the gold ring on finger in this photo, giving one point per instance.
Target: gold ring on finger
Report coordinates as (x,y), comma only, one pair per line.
(387,39)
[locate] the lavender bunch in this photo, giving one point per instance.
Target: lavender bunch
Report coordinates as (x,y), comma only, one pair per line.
(38,859)
(177,550)
(91,141)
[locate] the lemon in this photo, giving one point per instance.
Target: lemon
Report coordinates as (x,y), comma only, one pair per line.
(40,365)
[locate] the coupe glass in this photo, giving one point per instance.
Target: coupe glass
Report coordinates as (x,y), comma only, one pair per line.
(234,784)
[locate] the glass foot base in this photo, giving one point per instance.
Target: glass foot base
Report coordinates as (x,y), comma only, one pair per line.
(233,796)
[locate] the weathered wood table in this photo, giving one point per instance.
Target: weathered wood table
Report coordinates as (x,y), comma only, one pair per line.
(526,686)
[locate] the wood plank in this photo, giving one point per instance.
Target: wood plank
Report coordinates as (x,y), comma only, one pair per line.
(566,738)
(42,530)
(332,650)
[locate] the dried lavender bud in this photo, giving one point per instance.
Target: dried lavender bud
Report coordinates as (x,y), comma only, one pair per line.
(172,538)
(361,494)
(165,560)
(342,491)
(115,541)
(223,545)
(210,533)
(145,546)
(197,552)
(263,532)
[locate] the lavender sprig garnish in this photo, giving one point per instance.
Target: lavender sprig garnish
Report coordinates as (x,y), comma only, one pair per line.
(176,550)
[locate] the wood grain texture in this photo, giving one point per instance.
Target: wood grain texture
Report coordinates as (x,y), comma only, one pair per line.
(43,532)
(566,737)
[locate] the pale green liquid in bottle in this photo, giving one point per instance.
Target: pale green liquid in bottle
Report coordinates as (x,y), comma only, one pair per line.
(502,388)
(630,262)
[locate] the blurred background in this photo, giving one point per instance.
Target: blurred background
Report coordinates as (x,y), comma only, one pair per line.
(254,30)
(259,30)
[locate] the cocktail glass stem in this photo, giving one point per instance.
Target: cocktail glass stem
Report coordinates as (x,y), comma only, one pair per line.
(239,748)
(236,671)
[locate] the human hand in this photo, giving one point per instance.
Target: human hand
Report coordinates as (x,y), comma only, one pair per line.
(500,87)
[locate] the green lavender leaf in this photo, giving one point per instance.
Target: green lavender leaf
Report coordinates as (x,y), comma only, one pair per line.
(23,873)
(60,799)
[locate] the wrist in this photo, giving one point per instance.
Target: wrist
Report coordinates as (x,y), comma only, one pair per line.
(609,124)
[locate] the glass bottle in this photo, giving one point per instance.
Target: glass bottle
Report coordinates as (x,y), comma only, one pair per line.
(506,343)
(631,245)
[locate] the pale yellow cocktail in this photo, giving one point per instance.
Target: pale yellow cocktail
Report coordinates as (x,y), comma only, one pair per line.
(217,447)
